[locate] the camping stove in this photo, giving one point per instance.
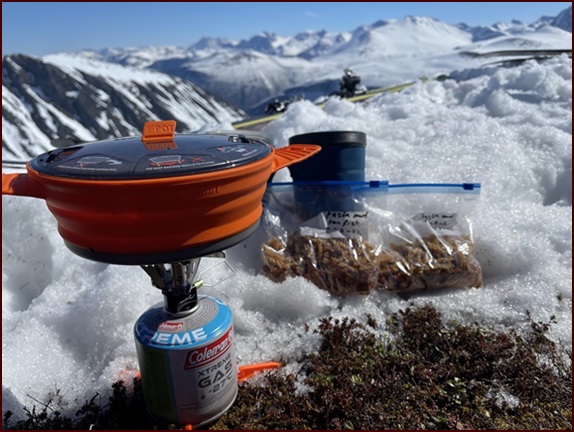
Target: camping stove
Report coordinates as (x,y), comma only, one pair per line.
(185,349)
(207,192)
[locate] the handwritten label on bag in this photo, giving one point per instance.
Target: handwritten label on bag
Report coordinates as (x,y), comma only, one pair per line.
(437,220)
(350,224)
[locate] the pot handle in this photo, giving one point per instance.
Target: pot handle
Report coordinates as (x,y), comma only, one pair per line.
(21,185)
(291,154)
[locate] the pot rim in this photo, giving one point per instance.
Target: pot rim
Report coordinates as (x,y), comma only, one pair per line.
(43,179)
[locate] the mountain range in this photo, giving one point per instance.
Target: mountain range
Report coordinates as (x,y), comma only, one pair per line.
(79,100)
(92,95)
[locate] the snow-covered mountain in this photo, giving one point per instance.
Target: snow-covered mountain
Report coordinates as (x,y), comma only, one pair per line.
(91,95)
(313,44)
(70,97)
(251,72)
(563,20)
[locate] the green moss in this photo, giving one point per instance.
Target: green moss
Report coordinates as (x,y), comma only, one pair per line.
(428,375)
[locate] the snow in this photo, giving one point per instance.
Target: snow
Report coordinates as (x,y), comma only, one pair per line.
(67,323)
(75,65)
(11,136)
(48,112)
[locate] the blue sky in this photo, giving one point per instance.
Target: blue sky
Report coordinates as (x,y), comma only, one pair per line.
(35,28)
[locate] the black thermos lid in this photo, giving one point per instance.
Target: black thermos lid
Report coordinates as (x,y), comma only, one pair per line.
(332,139)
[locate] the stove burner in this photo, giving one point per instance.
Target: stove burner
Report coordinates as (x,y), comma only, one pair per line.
(178,284)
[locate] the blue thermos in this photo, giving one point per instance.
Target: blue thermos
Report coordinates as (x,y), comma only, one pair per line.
(341,160)
(342,156)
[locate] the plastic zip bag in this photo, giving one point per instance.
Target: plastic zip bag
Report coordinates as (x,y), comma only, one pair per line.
(429,240)
(354,237)
(319,230)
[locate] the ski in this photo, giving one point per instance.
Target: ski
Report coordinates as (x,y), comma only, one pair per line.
(256,123)
(14,164)
(517,53)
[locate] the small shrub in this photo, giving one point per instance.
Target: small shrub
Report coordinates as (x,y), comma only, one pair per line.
(428,375)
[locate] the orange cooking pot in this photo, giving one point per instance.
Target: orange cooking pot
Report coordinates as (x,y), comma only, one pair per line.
(158,198)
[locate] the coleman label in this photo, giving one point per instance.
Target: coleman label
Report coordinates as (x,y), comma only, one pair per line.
(209,353)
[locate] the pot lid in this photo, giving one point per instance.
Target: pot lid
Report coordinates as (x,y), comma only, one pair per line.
(157,153)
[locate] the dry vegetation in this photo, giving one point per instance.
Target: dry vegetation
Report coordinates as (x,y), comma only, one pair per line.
(431,375)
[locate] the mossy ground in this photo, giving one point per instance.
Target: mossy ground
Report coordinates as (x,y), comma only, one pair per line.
(430,375)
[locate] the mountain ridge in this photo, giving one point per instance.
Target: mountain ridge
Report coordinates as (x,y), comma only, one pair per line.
(87,100)
(91,95)
(293,61)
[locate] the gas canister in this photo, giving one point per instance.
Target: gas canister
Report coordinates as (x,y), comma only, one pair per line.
(188,364)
